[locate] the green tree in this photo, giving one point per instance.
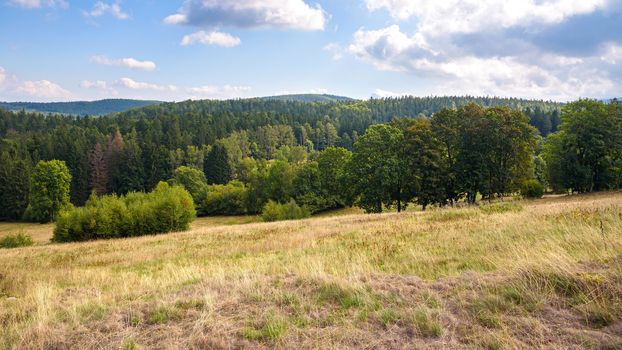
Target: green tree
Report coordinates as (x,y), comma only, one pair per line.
(193,181)
(426,163)
(216,166)
(333,172)
(15,167)
(379,169)
(49,190)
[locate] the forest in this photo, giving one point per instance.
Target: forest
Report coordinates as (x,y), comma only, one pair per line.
(257,155)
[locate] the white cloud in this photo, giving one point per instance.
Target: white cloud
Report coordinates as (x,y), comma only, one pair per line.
(100,86)
(44,89)
(131,63)
(34,4)
(546,76)
(211,38)
(137,85)
(283,14)
(468,16)
(12,88)
(379,93)
(335,49)
(2,76)
(219,92)
(101,8)
(612,53)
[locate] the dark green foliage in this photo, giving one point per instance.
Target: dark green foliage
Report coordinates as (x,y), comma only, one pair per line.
(193,180)
(426,161)
(100,107)
(49,191)
(532,189)
(166,209)
(274,211)
(379,170)
(229,199)
(585,155)
(16,241)
(216,167)
(15,167)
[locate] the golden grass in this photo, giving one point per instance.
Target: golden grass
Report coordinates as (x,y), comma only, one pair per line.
(444,278)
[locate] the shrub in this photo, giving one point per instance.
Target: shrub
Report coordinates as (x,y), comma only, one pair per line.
(229,199)
(274,211)
(532,189)
(16,240)
(166,209)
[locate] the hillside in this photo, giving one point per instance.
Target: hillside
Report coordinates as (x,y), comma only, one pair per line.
(308,98)
(532,274)
(100,107)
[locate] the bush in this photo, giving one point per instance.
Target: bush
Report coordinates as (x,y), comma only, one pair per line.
(166,209)
(229,199)
(49,191)
(16,240)
(532,189)
(274,211)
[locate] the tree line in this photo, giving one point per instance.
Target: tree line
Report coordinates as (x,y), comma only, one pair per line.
(262,151)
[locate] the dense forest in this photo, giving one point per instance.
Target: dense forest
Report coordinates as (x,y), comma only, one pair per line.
(81,108)
(236,156)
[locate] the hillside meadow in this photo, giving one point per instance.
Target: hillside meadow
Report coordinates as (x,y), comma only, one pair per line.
(513,274)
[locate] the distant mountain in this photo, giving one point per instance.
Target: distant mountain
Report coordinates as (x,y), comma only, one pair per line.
(100,107)
(308,98)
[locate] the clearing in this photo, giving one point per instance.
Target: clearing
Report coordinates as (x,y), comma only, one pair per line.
(525,274)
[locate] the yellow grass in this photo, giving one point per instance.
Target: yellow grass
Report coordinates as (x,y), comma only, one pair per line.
(525,274)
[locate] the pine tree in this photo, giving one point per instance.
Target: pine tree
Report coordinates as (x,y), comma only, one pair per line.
(216,166)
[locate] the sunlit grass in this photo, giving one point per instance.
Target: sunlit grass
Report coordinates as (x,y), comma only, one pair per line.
(279,282)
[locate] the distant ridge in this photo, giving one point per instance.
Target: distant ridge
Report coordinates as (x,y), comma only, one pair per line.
(308,98)
(100,107)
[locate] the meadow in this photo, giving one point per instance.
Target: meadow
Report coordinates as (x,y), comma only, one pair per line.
(515,274)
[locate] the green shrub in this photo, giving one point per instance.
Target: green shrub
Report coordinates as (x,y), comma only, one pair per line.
(166,209)
(229,199)
(274,211)
(532,189)
(16,240)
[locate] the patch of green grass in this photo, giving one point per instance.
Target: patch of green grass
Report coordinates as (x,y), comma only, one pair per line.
(501,207)
(91,311)
(345,297)
(16,240)
(130,344)
(389,316)
(164,314)
(271,329)
(446,215)
(427,322)
(488,308)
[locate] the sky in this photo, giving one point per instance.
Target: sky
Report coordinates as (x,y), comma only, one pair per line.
(173,50)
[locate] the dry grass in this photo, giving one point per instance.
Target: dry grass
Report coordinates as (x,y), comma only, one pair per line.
(544,273)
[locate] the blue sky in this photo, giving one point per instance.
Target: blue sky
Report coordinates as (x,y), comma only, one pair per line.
(56,50)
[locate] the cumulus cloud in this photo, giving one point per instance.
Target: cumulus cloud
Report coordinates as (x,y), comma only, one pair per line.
(211,38)
(131,63)
(137,85)
(469,16)
(219,92)
(487,48)
(34,4)
(100,86)
(43,89)
(101,8)
(11,87)
(282,14)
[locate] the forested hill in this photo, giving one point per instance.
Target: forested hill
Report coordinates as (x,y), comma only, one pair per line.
(308,98)
(101,107)
(345,116)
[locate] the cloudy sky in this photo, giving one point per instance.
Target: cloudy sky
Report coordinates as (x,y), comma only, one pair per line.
(53,50)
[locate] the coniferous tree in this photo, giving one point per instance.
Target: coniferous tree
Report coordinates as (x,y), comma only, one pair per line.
(216,166)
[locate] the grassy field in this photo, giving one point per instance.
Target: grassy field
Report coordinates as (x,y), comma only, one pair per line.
(533,274)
